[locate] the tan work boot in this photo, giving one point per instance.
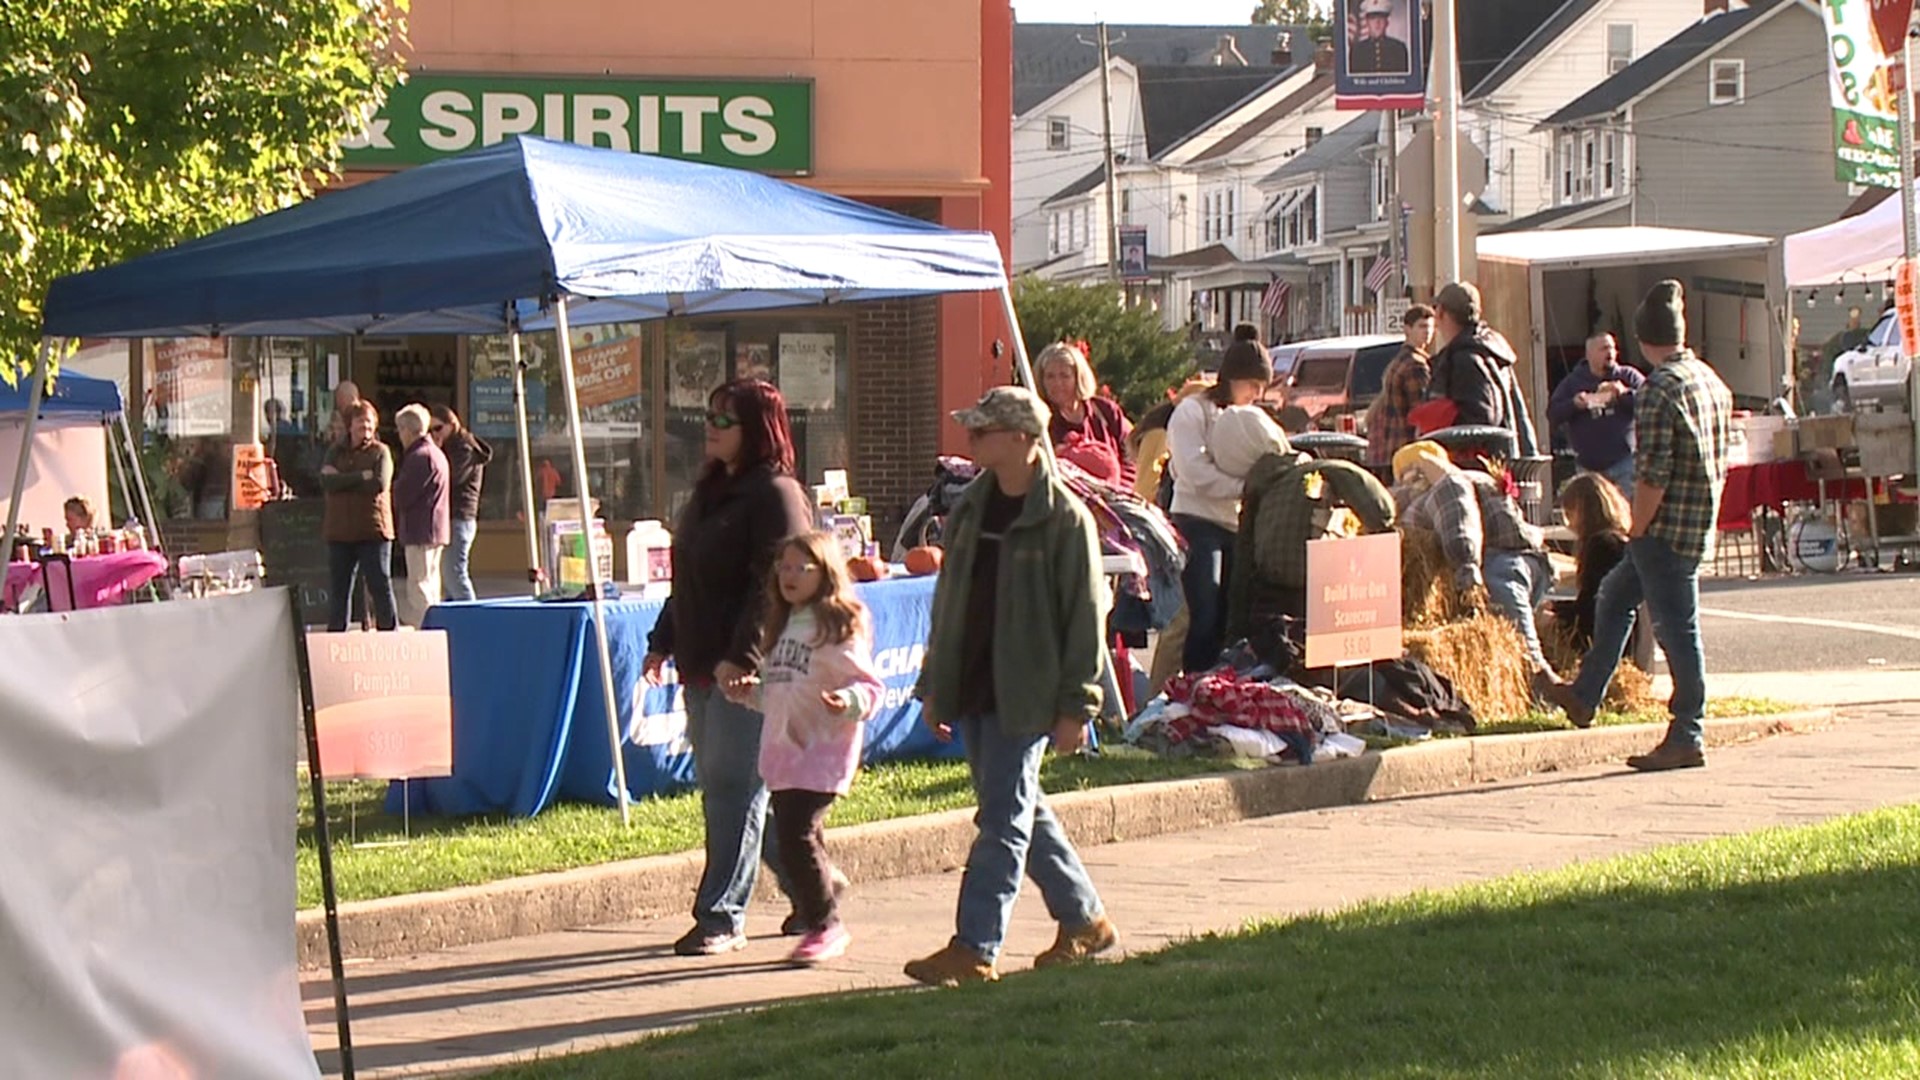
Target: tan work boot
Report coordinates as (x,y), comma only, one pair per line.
(1072,945)
(951,966)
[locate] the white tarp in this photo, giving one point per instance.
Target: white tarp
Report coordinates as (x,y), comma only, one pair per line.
(1854,250)
(146,870)
(66,461)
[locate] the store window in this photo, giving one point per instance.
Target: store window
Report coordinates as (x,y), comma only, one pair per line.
(187,415)
(805,357)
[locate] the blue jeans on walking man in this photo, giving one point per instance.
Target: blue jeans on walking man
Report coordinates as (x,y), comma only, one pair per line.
(1669,584)
(456,575)
(733,798)
(1019,836)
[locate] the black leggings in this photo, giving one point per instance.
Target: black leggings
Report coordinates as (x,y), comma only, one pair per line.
(799,820)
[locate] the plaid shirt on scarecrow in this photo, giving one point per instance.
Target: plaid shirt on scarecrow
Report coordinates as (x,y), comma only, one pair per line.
(1682,421)
(1471,514)
(1402,387)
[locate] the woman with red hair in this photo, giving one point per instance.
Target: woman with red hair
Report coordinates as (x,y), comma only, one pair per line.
(744,504)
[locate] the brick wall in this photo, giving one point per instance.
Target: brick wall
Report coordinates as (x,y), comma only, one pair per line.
(896,421)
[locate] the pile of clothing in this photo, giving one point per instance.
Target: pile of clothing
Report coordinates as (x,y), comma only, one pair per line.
(1250,714)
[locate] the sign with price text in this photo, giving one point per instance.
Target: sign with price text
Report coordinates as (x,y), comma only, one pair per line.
(383,704)
(1353,600)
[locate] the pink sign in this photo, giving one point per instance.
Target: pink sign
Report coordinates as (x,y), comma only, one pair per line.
(383,704)
(1353,600)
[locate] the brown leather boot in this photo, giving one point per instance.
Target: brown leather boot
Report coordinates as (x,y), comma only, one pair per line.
(1667,756)
(951,966)
(1072,945)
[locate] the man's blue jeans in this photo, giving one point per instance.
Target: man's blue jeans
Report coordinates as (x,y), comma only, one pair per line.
(1018,835)
(1669,584)
(350,563)
(1621,474)
(733,800)
(456,575)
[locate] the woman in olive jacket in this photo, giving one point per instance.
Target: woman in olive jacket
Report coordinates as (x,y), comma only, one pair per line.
(745,502)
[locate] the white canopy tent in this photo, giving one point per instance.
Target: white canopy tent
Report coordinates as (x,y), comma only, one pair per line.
(1855,250)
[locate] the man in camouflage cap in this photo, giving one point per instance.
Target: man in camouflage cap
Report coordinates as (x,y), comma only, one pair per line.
(1014,660)
(1371,51)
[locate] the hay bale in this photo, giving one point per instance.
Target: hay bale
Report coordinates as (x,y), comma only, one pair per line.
(1427,596)
(1485,659)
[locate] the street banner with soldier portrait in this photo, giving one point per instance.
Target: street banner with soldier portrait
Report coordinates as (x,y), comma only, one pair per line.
(1381,60)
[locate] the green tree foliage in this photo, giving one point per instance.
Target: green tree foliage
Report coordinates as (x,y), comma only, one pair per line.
(1308,13)
(1131,352)
(126,125)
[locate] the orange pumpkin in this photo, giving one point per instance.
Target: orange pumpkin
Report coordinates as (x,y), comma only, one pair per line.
(922,561)
(866,568)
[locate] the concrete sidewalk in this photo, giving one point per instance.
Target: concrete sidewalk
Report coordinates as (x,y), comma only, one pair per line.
(562,992)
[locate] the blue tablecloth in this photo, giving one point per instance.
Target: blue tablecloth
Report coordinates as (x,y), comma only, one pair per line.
(529,719)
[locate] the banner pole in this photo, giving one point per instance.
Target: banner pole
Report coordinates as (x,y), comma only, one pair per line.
(321,836)
(526,457)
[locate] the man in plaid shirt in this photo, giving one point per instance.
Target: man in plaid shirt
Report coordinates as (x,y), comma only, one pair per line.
(1680,467)
(1486,540)
(1403,386)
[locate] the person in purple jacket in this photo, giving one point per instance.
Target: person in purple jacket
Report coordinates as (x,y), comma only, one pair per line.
(1594,403)
(420,505)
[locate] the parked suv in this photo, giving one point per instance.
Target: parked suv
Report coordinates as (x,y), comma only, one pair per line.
(1876,368)
(1333,376)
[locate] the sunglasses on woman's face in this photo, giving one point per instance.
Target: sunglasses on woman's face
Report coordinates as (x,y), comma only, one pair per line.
(720,421)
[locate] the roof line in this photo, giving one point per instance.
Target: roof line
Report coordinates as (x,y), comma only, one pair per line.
(1758,19)
(1091,73)
(1526,56)
(1195,131)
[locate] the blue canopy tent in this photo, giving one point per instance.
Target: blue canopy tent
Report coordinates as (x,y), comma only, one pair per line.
(74,400)
(525,235)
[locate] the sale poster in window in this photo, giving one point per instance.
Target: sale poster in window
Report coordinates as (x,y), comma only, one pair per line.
(808,368)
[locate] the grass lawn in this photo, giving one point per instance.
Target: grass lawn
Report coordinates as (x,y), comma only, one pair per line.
(446,852)
(1783,954)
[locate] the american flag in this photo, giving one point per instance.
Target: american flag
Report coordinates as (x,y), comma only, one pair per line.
(1380,273)
(1273,302)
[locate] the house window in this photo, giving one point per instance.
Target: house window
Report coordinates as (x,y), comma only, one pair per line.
(1126,205)
(1219,210)
(1314,134)
(1589,163)
(1566,167)
(1059,133)
(1053,235)
(1295,220)
(1382,188)
(1727,82)
(1610,162)
(1619,47)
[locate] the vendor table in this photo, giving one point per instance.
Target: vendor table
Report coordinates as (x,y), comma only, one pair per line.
(98,580)
(529,725)
(1772,485)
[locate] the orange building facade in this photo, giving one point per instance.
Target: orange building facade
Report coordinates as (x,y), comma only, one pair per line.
(905,106)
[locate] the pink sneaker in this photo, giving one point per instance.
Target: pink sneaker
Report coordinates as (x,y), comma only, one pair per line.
(820,946)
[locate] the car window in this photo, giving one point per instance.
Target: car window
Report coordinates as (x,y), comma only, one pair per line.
(1321,372)
(1370,367)
(1884,332)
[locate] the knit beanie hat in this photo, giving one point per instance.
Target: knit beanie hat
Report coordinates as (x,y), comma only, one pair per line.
(1662,317)
(1246,360)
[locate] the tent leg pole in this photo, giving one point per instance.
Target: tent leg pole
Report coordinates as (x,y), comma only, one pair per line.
(120,469)
(34,397)
(597,587)
(526,462)
(140,486)
(322,835)
(1023,371)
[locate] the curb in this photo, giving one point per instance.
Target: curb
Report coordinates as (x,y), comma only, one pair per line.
(936,843)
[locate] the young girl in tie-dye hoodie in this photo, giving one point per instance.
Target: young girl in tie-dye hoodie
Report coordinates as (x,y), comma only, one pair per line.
(816,686)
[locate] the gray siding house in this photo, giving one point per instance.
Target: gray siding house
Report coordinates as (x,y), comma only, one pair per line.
(1723,127)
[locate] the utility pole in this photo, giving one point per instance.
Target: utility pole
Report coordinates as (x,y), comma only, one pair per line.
(1446,158)
(1106,138)
(1394,217)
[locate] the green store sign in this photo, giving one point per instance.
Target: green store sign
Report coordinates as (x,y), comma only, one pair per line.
(764,125)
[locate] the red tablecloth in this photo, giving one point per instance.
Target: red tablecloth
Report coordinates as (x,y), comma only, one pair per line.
(1773,484)
(98,580)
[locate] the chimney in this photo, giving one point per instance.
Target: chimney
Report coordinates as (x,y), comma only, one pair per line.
(1282,55)
(1227,54)
(1716,7)
(1323,56)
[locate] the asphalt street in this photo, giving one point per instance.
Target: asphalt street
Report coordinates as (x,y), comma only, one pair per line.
(1812,623)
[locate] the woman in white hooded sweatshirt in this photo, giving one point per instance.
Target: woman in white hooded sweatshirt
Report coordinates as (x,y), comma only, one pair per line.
(1206,498)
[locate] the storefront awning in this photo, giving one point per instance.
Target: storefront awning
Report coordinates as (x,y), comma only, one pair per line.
(467,244)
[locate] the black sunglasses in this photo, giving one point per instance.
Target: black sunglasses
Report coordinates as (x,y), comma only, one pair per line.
(720,421)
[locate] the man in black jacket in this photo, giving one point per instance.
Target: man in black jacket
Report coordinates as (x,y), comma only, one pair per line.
(467,458)
(1474,368)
